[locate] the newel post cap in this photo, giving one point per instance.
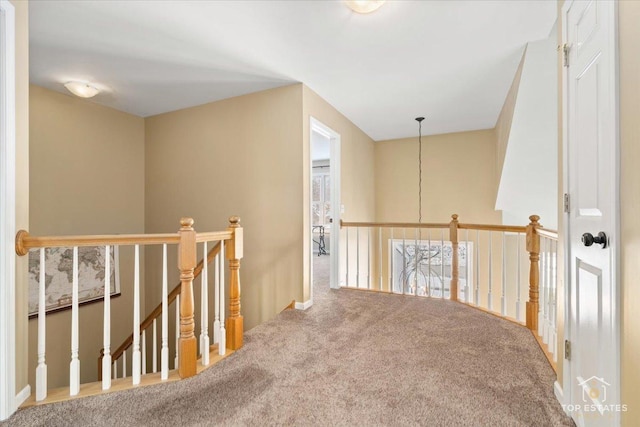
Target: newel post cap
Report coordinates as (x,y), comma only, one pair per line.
(234,221)
(534,219)
(186,223)
(454,217)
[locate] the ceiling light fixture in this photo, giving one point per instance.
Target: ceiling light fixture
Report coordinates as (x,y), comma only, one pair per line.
(82,89)
(364,6)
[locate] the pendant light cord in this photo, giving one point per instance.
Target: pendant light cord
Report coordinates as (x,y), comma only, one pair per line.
(419,120)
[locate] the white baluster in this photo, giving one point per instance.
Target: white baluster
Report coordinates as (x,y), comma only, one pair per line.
(466,268)
(74,367)
(124,364)
(346,283)
(554,331)
(368,257)
(542,300)
(106,330)
(477,278)
(135,357)
(489,295)
(216,298)
(202,304)
(154,346)
(204,343)
(503,296)
(144,352)
(404,274)
(115,370)
(547,290)
(391,255)
(357,257)
(415,256)
(177,358)
(430,292)
(379,258)
(164,353)
(518,291)
(442,261)
(222,345)
(41,370)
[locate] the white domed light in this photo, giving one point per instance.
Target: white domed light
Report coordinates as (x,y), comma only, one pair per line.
(364,6)
(82,89)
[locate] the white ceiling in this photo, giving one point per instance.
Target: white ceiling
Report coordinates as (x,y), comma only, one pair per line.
(451,61)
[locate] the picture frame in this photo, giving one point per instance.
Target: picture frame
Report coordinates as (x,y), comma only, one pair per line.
(59,277)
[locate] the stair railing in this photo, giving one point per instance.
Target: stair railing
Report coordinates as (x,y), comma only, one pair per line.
(150,322)
(228,334)
(483,265)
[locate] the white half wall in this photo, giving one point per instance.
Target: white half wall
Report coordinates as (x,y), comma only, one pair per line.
(529,180)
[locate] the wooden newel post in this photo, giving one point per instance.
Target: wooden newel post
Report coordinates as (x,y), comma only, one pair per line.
(187,347)
(533,247)
(234,323)
(453,236)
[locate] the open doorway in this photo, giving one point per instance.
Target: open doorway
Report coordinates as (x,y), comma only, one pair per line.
(325,206)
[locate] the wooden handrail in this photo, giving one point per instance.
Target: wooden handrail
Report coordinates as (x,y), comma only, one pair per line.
(394,224)
(213,236)
(545,232)
(158,310)
(24,241)
(487,227)
(491,227)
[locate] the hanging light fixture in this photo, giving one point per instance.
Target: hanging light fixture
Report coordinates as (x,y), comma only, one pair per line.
(419,120)
(364,6)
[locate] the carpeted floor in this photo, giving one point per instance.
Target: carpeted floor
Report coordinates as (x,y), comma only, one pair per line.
(354,358)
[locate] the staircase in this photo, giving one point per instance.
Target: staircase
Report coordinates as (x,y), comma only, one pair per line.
(128,366)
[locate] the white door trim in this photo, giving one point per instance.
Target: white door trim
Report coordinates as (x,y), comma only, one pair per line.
(7,210)
(614,244)
(334,242)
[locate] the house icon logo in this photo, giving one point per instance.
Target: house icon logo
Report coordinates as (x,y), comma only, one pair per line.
(594,388)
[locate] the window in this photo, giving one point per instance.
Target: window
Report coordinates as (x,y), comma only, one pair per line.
(321,198)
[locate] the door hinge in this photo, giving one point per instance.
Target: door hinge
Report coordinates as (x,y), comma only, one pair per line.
(566,203)
(567,349)
(565,54)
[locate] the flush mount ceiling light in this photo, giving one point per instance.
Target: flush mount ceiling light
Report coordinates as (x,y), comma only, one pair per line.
(364,6)
(82,89)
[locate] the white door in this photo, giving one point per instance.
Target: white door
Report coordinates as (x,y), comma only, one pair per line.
(592,381)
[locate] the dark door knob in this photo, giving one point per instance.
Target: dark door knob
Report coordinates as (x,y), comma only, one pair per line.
(588,239)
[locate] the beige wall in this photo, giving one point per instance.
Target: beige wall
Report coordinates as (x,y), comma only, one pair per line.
(629,38)
(357,161)
(240,156)
(22,183)
(86,177)
(458,177)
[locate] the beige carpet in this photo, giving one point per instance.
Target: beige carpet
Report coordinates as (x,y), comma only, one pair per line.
(354,358)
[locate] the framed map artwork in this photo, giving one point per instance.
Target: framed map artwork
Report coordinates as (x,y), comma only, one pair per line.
(59,276)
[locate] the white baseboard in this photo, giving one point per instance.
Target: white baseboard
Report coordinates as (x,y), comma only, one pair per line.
(557,391)
(304,305)
(23,395)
